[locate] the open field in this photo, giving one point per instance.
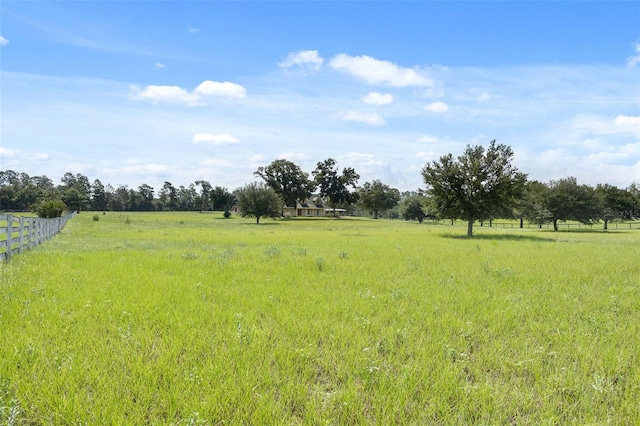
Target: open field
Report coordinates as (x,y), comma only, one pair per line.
(187,318)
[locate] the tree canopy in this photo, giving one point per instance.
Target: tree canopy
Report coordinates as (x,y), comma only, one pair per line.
(477,185)
(414,207)
(376,196)
(335,186)
(287,180)
(258,200)
(566,200)
(616,203)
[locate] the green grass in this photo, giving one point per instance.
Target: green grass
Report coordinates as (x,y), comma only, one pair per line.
(187,318)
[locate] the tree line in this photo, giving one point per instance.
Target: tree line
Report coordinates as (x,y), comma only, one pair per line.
(21,192)
(480,185)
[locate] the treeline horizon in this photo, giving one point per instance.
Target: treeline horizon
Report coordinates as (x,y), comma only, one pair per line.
(20,192)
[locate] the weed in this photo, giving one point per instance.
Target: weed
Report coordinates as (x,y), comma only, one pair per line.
(320,263)
(272,251)
(398,294)
(225,255)
(190,255)
(243,333)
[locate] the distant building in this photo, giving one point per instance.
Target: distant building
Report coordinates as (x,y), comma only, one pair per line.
(311,207)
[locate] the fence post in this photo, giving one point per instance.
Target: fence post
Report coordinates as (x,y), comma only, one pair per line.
(21,235)
(32,223)
(36,232)
(7,254)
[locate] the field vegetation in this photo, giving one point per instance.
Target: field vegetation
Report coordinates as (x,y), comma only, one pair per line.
(188,318)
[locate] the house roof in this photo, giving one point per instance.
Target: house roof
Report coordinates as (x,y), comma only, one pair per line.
(314,203)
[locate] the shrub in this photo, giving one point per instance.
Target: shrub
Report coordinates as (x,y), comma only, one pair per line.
(272,251)
(96,218)
(51,208)
(226,214)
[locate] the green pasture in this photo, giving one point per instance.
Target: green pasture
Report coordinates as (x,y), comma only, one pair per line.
(188,318)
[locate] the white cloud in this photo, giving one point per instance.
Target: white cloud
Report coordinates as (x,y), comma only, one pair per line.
(360,159)
(4,152)
(437,107)
(193,30)
(427,139)
(141,169)
(622,124)
(166,94)
(633,61)
(303,58)
(216,88)
(427,156)
(483,97)
(211,139)
(216,163)
(375,71)
(606,158)
(627,124)
(37,157)
(372,118)
(375,98)
(257,159)
(3,41)
(159,65)
(294,156)
(176,94)
(12,154)
(480,95)
(632,149)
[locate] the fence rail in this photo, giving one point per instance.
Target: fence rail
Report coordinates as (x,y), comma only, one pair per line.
(562,225)
(19,233)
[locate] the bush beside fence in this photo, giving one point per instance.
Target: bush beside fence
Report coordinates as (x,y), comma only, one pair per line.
(19,233)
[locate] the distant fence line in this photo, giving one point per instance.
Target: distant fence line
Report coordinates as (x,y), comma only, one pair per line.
(19,233)
(514,225)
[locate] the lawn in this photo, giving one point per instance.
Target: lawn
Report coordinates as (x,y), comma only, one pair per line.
(188,318)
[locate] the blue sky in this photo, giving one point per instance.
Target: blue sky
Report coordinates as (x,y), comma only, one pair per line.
(135,92)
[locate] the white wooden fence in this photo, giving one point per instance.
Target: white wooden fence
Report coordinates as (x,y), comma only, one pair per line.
(19,233)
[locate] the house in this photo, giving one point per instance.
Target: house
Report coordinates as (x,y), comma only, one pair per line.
(311,207)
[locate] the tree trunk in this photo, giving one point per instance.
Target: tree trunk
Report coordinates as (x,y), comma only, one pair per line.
(470,228)
(257,219)
(606,222)
(555,224)
(521,222)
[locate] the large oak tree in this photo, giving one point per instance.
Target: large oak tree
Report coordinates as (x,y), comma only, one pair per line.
(376,196)
(568,200)
(288,180)
(480,184)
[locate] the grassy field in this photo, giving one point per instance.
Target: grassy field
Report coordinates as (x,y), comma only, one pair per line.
(187,318)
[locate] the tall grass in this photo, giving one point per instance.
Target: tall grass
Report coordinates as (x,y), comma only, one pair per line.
(189,319)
